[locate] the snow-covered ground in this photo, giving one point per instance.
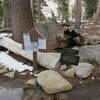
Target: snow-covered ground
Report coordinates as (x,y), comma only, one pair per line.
(12,64)
(5,35)
(9,62)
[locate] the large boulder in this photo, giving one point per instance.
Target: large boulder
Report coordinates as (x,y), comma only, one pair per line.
(90,54)
(52,82)
(83,70)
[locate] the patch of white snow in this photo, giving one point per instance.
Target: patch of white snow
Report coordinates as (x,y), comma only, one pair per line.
(5,35)
(11,63)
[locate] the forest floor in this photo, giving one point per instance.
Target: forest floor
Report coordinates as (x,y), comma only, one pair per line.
(14,89)
(84,89)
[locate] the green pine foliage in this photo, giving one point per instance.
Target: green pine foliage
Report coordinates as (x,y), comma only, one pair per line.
(63,8)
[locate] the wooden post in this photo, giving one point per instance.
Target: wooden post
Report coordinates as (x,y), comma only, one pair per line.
(35,39)
(35,65)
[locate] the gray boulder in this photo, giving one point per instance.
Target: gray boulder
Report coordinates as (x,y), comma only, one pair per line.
(83,70)
(90,54)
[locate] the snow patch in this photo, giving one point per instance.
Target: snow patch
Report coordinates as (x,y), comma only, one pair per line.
(11,63)
(5,35)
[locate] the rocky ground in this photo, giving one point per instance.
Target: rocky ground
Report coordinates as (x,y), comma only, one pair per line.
(83,89)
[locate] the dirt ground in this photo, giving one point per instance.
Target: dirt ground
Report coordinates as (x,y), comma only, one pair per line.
(92,29)
(83,89)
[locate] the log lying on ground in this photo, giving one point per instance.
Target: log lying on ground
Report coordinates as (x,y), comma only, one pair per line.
(15,48)
(47,60)
(5,30)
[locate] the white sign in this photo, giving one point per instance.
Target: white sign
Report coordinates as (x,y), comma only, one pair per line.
(34,46)
(41,43)
(27,41)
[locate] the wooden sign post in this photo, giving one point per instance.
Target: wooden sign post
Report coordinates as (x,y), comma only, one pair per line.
(34,41)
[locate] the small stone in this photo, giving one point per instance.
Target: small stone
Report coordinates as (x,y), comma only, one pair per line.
(92,78)
(2,71)
(96,74)
(69,73)
(9,74)
(1,66)
(31,73)
(63,67)
(81,82)
(31,82)
(23,73)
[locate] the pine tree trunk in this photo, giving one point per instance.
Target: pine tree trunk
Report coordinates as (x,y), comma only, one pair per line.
(78,14)
(22,20)
(97,18)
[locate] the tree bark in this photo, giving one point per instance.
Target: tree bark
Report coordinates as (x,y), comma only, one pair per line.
(97,17)
(78,14)
(22,20)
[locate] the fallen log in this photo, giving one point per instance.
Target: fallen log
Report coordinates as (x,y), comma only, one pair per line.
(5,30)
(47,60)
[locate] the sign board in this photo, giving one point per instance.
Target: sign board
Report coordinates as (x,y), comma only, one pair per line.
(27,41)
(34,41)
(34,46)
(41,43)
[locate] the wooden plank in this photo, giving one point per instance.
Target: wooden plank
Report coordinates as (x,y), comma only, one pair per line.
(47,60)
(5,30)
(15,47)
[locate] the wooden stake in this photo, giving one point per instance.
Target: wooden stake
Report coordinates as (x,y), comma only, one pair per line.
(35,65)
